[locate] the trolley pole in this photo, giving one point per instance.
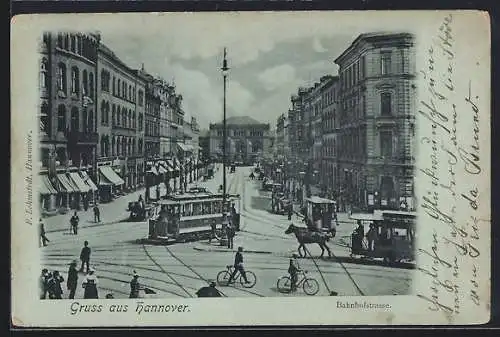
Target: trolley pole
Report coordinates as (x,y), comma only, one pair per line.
(224,70)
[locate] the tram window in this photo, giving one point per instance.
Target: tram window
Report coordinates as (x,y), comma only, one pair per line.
(197,209)
(217,207)
(207,208)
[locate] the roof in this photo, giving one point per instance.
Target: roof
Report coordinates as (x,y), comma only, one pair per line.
(241,120)
(378,36)
(317,200)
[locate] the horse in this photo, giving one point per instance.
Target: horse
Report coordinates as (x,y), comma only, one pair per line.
(305,236)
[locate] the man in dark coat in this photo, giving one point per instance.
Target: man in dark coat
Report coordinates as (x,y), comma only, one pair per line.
(72,281)
(135,286)
(238,266)
(74,223)
(230,232)
(97,213)
(85,255)
(209,291)
(55,289)
(42,234)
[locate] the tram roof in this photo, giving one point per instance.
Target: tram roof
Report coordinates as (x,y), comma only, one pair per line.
(398,213)
(186,197)
(318,200)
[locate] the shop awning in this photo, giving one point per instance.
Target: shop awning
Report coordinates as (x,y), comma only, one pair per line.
(172,165)
(185,147)
(111,175)
(78,182)
(162,169)
(88,181)
(153,170)
(46,186)
(65,183)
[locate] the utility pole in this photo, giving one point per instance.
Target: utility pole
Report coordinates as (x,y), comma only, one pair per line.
(224,70)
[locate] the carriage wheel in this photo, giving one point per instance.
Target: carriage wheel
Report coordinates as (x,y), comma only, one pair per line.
(284,284)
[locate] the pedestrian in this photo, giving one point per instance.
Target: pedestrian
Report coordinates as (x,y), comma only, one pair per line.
(230,232)
(97,213)
(44,283)
(238,266)
(209,291)
(85,256)
(90,285)
(74,223)
(135,286)
(290,210)
(85,203)
(213,229)
(72,281)
(43,238)
(54,286)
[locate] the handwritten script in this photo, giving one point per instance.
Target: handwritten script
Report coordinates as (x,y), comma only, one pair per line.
(449,168)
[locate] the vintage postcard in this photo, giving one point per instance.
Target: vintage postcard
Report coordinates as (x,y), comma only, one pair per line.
(305,168)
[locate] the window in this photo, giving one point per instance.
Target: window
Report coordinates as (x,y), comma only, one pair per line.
(61,118)
(44,118)
(85,121)
(113,112)
(85,83)
(129,92)
(124,117)
(91,85)
(118,119)
(141,98)
(385,104)
(113,148)
(75,119)
(386,144)
(103,109)
(80,45)
(403,61)
(66,41)
(118,89)
(140,122)
(44,80)
(75,79)
(60,40)
(61,77)
(386,63)
(73,43)
(130,118)
(114,85)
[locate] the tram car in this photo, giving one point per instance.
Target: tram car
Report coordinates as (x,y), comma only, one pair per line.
(188,216)
(320,214)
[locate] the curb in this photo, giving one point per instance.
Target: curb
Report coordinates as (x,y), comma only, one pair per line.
(90,226)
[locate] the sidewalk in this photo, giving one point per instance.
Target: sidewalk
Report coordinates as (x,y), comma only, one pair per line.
(112,212)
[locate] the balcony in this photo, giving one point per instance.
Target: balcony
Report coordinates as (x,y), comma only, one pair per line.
(83,138)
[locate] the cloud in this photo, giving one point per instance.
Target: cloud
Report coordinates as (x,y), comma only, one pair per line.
(273,78)
(318,47)
(239,99)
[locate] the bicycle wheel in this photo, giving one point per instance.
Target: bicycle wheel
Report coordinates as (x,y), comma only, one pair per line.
(252,279)
(284,284)
(223,278)
(310,286)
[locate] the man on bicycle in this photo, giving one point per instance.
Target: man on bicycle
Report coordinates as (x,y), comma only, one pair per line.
(238,266)
(293,270)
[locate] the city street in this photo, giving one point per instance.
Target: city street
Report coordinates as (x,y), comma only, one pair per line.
(179,270)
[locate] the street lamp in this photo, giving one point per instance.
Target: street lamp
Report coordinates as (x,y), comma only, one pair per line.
(225,71)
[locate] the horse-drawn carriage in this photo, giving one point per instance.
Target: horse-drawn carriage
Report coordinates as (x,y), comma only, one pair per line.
(188,217)
(138,211)
(390,235)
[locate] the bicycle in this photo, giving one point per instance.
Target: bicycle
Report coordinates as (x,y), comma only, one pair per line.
(223,277)
(309,285)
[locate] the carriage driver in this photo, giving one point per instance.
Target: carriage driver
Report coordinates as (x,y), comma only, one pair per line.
(293,270)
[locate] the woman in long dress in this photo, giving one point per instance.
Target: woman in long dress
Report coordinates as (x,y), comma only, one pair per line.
(90,285)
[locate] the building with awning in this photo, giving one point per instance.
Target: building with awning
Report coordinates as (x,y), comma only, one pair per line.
(109,177)
(65,185)
(46,187)
(78,182)
(185,147)
(88,181)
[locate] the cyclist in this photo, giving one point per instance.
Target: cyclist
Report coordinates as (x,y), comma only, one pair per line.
(293,270)
(238,266)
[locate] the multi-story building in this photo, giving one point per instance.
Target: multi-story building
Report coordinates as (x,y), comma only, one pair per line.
(189,147)
(121,112)
(68,123)
(176,123)
(152,116)
(377,120)
(246,139)
(280,135)
(204,143)
(329,112)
